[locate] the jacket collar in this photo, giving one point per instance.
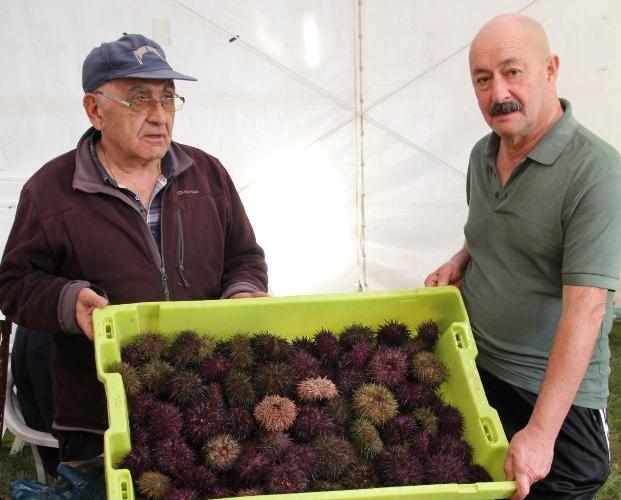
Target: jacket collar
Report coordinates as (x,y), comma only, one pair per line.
(88,178)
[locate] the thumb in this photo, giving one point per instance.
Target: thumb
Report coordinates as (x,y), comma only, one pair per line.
(89,298)
(508,466)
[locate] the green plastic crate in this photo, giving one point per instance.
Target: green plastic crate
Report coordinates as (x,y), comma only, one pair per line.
(290,317)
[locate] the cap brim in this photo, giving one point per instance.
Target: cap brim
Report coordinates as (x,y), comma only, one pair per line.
(158,74)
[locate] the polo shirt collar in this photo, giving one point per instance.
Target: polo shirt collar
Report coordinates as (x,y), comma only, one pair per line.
(551,146)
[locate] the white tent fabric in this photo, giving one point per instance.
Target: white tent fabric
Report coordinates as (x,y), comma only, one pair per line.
(346,125)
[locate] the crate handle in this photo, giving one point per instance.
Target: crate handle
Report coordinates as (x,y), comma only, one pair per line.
(460,338)
(124,490)
(489,430)
(109,331)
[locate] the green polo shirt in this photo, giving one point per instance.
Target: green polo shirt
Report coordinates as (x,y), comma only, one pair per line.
(556,222)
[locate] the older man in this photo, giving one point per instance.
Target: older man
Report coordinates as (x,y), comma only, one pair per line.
(128,216)
(540,264)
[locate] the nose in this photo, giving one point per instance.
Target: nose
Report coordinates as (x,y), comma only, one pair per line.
(499,90)
(157,113)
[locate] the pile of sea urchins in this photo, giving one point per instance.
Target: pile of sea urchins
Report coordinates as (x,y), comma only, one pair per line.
(257,414)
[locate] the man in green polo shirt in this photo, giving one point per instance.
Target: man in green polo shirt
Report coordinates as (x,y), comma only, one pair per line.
(540,264)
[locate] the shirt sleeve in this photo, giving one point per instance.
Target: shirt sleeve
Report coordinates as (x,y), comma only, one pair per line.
(592,225)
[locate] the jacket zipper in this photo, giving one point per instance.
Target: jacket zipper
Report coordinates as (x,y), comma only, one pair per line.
(163,276)
(180,266)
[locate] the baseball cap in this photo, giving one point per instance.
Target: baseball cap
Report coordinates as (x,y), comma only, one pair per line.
(131,56)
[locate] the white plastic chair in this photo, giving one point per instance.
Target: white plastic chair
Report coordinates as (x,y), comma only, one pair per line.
(14,422)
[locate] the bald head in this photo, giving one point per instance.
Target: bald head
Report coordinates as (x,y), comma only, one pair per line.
(512,31)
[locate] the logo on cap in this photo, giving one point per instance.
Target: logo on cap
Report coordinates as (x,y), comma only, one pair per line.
(141,51)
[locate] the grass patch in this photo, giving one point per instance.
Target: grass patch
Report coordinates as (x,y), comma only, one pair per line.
(22,465)
(612,489)
(13,467)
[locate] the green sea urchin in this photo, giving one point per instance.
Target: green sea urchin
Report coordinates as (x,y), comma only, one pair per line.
(428,369)
(129,374)
(154,485)
(375,403)
(366,437)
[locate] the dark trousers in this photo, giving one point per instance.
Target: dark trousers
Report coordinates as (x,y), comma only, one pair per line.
(581,462)
(31,366)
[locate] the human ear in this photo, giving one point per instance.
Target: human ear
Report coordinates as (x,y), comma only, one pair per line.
(93,111)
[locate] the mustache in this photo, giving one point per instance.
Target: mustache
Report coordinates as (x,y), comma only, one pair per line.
(502,108)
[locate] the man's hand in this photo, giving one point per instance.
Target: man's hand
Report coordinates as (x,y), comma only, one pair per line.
(529,459)
(448,273)
(87,302)
(247,295)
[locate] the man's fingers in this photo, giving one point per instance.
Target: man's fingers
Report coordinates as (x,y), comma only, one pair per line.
(432,279)
(444,275)
(509,468)
(522,482)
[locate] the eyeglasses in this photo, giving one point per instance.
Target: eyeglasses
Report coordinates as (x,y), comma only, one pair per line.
(140,104)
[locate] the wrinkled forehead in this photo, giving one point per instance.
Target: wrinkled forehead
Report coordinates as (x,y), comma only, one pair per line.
(138,85)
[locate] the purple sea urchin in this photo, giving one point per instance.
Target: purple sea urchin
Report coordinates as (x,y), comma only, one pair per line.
(131,356)
(388,366)
(443,468)
(335,456)
(428,369)
(411,395)
(317,389)
(141,408)
(348,379)
(204,420)
(478,474)
(328,348)
(153,485)
(304,455)
(166,421)
(420,444)
(428,333)
(182,494)
(399,468)
(214,368)
(312,422)
(366,438)
(304,344)
(355,333)
(399,430)
(360,476)
(173,456)
(393,333)
(358,356)
(221,451)
(324,485)
(241,423)
(198,477)
(286,478)
(274,444)
(375,403)
(251,466)
(138,460)
(451,420)
(303,364)
(273,379)
(451,445)
(275,413)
